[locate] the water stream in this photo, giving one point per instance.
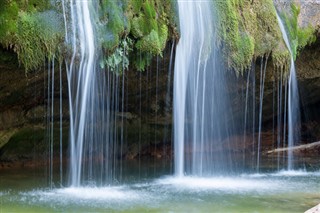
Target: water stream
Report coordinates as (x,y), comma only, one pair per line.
(293,111)
(201,99)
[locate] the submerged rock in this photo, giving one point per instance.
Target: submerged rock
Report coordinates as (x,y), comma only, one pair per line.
(315,209)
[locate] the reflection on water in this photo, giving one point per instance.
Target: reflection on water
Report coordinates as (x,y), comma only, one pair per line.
(294,191)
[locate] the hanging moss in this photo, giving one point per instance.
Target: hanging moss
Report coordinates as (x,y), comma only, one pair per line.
(299,37)
(37,37)
(149,28)
(114,23)
(144,22)
(8,22)
(246,30)
(31,29)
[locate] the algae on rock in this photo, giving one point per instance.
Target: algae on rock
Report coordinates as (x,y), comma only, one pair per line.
(249,29)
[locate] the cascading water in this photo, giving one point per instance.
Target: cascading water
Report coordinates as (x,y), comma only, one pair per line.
(93,98)
(293,101)
(201,103)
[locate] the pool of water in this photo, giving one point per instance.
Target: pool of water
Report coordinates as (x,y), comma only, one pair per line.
(26,191)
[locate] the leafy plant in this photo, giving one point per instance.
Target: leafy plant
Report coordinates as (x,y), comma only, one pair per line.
(119,60)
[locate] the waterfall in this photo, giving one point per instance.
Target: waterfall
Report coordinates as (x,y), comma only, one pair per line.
(81,80)
(201,102)
(93,101)
(293,111)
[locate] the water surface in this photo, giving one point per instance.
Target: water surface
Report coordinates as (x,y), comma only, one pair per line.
(294,191)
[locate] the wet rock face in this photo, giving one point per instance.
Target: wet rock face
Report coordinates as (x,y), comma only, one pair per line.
(309,11)
(146,117)
(148,103)
(308,73)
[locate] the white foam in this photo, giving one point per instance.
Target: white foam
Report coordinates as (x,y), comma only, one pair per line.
(104,193)
(255,175)
(229,184)
(92,196)
(294,173)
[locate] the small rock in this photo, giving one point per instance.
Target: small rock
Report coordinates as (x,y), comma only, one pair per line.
(315,209)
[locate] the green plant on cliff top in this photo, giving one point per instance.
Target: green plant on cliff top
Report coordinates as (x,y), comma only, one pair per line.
(8,22)
(37,37)
(31,30)
(114,23)
(246,30)
(145,22)
(9,11)
(149,29)
(299,37)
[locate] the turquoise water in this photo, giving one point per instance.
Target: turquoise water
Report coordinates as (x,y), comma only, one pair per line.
(26,191)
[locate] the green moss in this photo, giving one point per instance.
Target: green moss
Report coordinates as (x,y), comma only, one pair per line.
(32,30)
(142,60)
(32,45)
(149,28)
(246,30)
(150,31)
(306,36)
(249,29)
(144,22)
(118,61)
(281,57)
(114,23)
(299,37)
(8,22)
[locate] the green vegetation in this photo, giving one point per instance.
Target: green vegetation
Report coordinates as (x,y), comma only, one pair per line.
(118,61)
(137,30)
(33,46)
(150,25)
(113,22)
(247,30)
(31,29)
(299,38)
(140,27)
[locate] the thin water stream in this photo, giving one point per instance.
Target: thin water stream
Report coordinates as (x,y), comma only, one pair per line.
(293,101)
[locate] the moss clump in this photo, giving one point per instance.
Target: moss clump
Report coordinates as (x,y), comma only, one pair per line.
(247,29)
(144,22)
(33,46)
(31,30)
(114,23)
(299,37)
(149,29)
(8,22)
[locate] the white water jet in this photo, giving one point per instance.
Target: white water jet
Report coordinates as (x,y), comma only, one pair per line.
(93,101)
(293,101)
(201,103)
